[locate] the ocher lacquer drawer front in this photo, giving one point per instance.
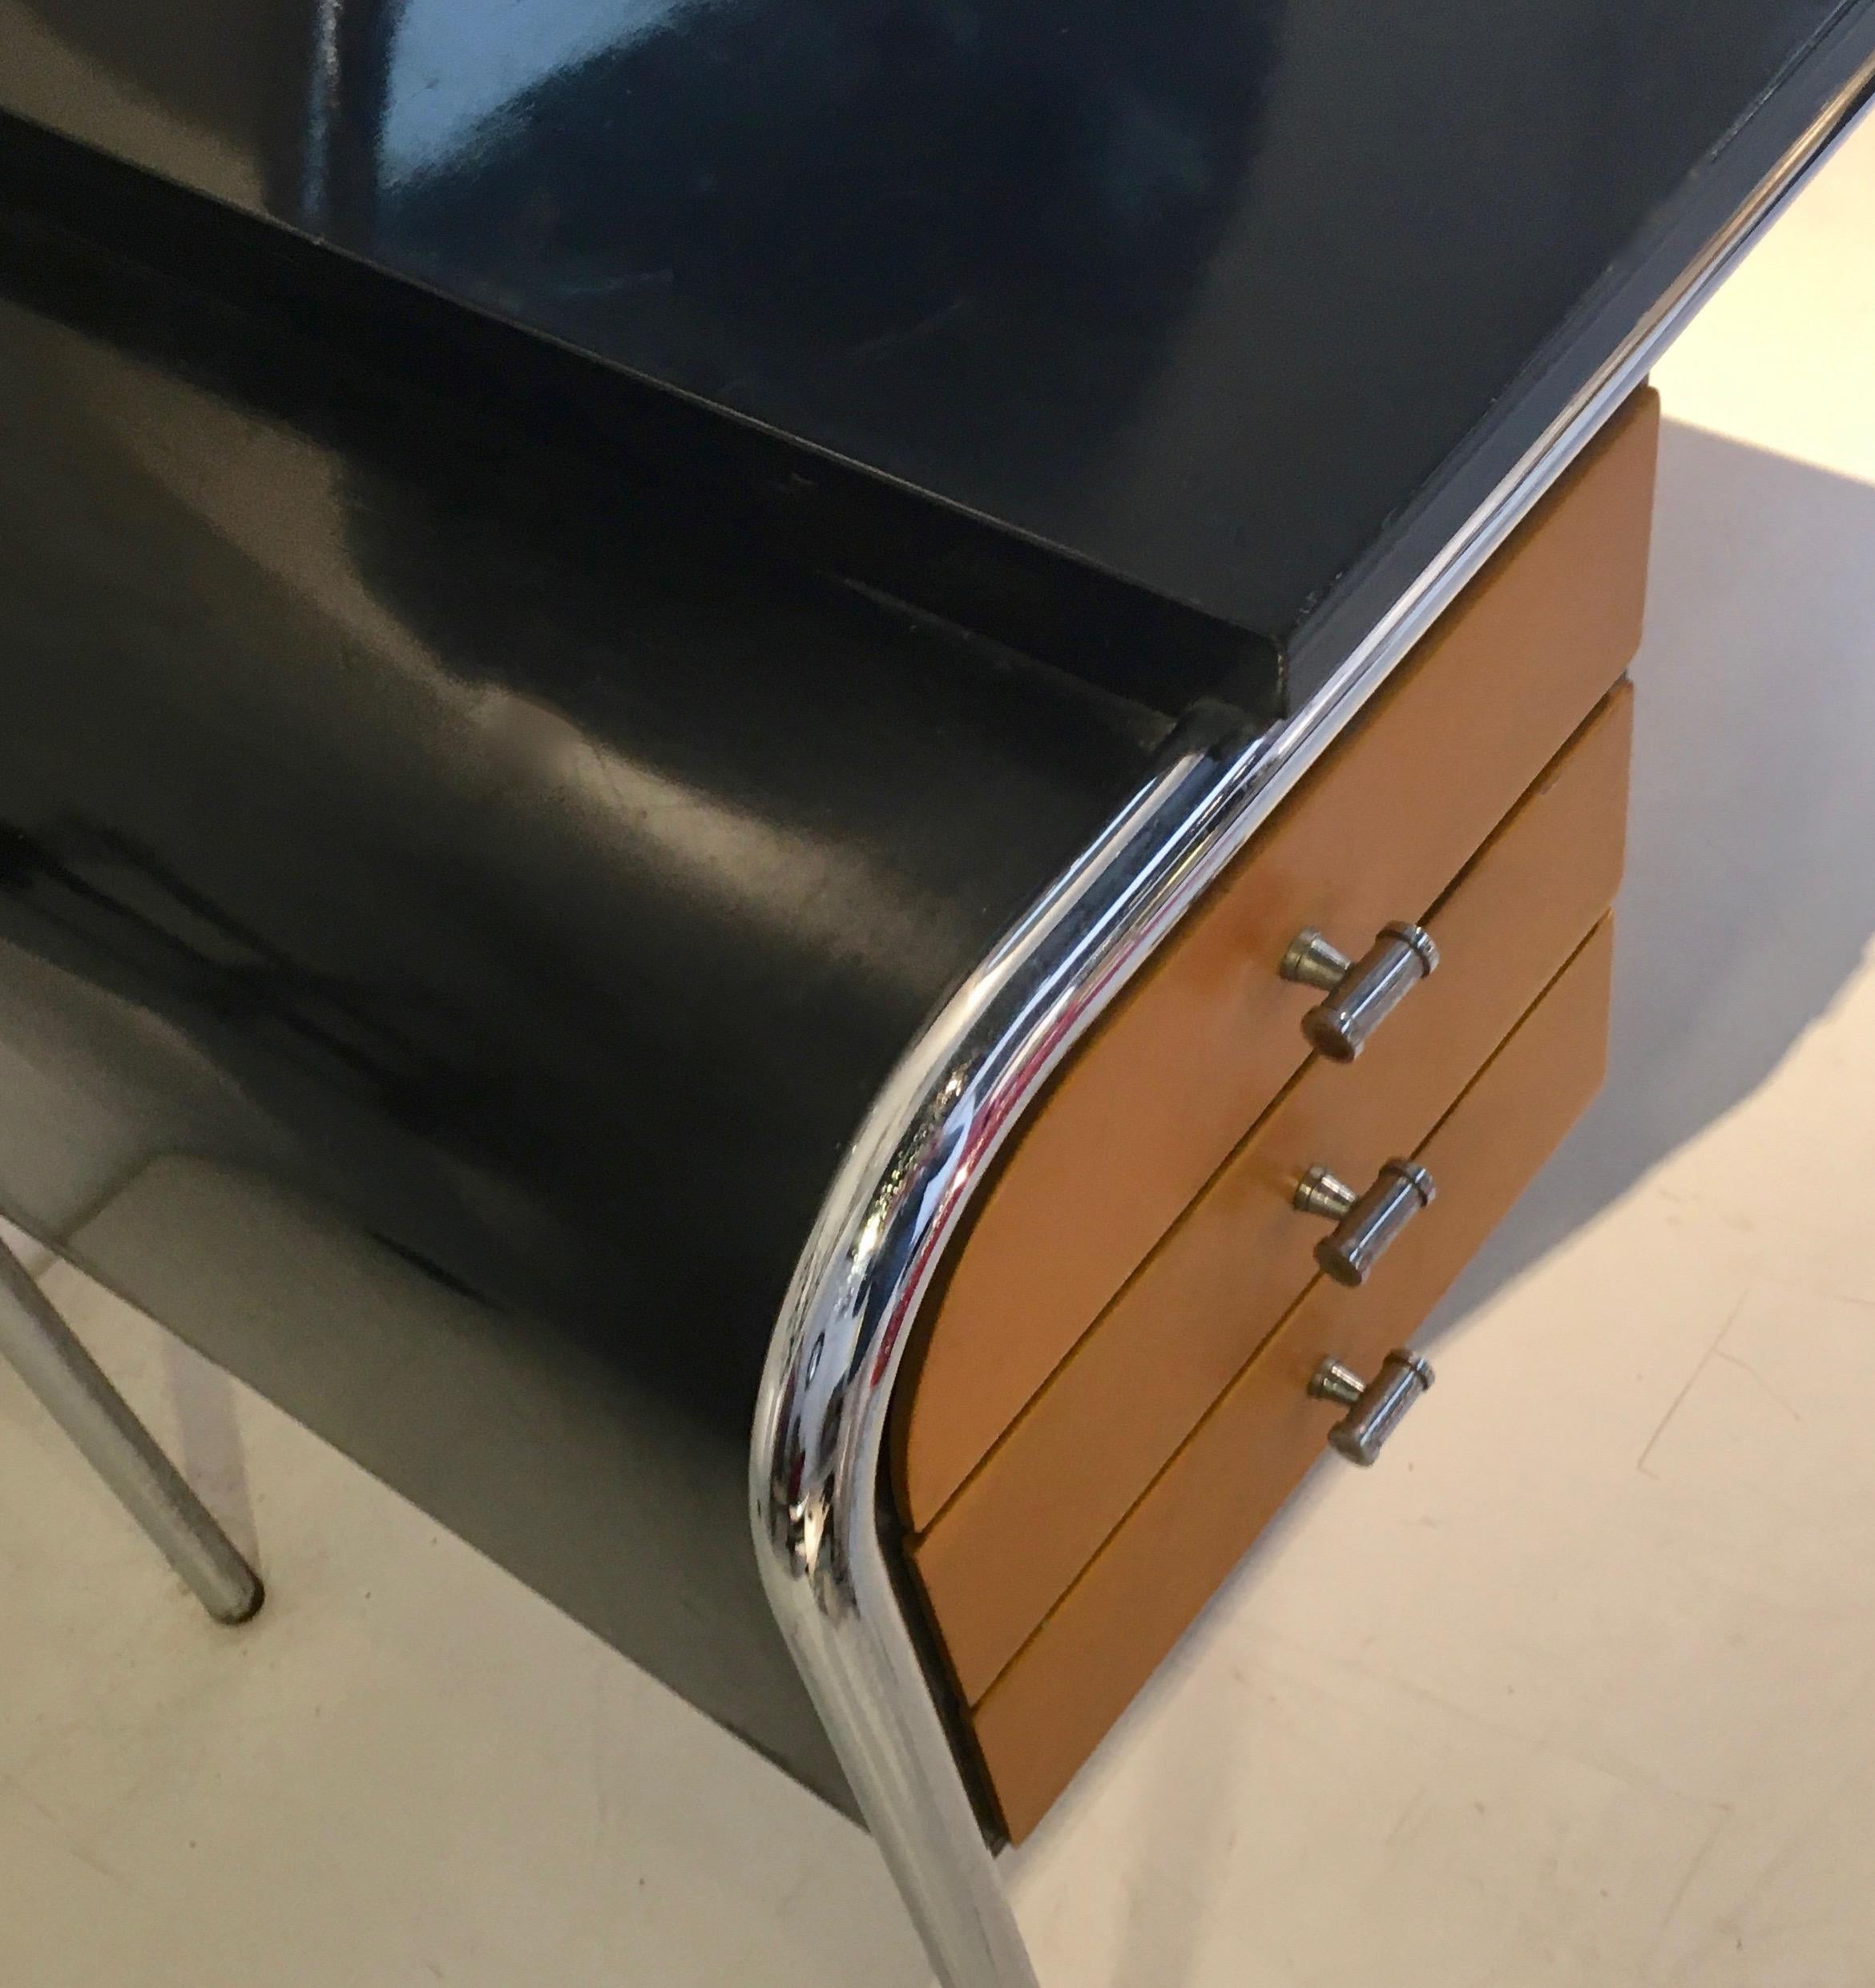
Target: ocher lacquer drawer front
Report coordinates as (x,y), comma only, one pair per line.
(1150,1107)
(1037,1508)
(1052,1706)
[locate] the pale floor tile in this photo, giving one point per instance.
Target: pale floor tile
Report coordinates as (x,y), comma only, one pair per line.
(1294,1820)
(69,1925)
(408,1769)
(1573,1692)
(1779,366)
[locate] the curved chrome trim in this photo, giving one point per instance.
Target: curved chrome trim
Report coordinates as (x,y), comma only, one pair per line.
(824,1527)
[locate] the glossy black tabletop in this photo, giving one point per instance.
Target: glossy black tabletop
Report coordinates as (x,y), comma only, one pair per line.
(1223,297)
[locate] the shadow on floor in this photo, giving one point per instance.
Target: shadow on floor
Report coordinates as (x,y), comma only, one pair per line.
(1750,891)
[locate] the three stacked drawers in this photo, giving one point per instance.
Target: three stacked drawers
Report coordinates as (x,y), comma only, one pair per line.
(1111,1397)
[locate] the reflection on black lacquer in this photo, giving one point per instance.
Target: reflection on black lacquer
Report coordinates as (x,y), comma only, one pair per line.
(789,184)
(1227,299)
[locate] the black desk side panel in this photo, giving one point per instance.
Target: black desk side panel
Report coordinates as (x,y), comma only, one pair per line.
(453,916)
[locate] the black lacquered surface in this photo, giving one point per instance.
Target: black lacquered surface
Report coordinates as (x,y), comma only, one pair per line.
(452,918)
(1205,290)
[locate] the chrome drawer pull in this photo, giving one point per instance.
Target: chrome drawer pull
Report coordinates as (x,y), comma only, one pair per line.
(1361,993)
(1374,1407)
(1365,1224)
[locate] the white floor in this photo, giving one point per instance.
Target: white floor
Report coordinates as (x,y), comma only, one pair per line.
(1578,1688)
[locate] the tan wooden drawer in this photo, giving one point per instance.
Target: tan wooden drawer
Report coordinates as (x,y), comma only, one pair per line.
(1145,1113)
(1037,1508)
(1053,1705)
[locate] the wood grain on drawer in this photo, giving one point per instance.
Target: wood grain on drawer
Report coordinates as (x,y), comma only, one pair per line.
(1151,1105)
(1037,1509)
(1053,1705)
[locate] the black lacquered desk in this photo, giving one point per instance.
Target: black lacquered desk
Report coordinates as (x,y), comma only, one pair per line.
(628,650)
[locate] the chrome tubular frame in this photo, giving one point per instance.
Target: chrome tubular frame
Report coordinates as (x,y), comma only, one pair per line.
(71,1387)
(824,1527)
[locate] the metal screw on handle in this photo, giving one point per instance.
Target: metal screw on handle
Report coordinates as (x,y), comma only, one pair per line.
(1374,1407)
(1365,1224)
(1361,993)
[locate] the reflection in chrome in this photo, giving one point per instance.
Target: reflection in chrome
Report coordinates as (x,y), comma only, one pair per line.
(1366,1225)
(1375,1407)
(824,1529)
(1362,993)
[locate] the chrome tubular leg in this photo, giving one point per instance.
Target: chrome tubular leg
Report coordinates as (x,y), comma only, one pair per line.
(38,1345)
(830,1579)
(818,1511)
(919,1814)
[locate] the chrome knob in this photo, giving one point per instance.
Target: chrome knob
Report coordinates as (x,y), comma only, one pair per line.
(1361,993)
(1374,1407)
(1365,1224)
